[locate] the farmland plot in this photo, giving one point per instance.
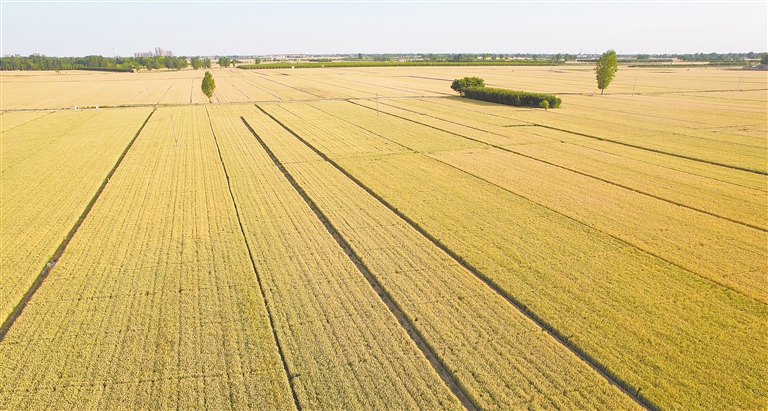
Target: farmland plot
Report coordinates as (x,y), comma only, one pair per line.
(154,305)
(343,348)
(673,335)
(250,89)
(701,243)
(277,83)
(51,168)
(10,120)
(741,152)
(512,363)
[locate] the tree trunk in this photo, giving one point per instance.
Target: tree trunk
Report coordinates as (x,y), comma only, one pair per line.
(601,91)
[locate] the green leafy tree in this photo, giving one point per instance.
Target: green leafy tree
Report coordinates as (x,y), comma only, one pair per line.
(224,61)
(764,59)
(256,60)
(197,63)
(461,84)
(605,69)
(207,63)
(544,104)
(208,85)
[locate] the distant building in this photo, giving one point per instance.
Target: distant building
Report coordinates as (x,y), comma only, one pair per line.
(159,51)
(144,54)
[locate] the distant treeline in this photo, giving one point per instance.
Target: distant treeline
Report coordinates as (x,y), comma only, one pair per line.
(718,57)
(646,60)
(92,62)
(684,65)
(511,97)
(396,64)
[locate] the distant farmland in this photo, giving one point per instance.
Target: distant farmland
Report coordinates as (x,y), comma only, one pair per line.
(362,238)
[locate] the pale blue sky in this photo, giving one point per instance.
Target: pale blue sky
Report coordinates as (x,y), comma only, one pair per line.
(243,28)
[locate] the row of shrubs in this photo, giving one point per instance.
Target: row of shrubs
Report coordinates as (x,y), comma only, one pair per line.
(110,69)
(512,97)
(394,64)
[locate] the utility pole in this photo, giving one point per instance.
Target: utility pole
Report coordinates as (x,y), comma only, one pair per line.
(739,87)
(174,132)
(377,103)
(633,87)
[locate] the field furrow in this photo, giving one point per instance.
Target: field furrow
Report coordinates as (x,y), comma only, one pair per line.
(154,304)
(343,347)
(660,329)
(512,363)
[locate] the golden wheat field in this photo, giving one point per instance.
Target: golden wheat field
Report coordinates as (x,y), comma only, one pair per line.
(364,239)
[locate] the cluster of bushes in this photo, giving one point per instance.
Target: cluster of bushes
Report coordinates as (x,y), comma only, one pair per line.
(513,97)
(474,88)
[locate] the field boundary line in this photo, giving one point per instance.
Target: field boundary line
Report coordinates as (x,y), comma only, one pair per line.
(253,265)
(511,151)
(633,393)
(446,376)
(65,242)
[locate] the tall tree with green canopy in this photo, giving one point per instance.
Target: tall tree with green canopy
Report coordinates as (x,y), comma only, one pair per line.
(605,69)
(197,63)
(208,85)
(461,84)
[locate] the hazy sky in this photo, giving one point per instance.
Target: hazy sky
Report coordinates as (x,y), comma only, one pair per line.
(244,28)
